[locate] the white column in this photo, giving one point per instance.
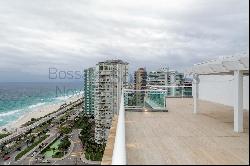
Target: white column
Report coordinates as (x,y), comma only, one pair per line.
(238,101)
(195,90)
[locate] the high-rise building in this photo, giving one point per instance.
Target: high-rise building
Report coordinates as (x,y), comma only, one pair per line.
(89,87)
(159,77)
(166,77)
(188,87)
(175,79)
(111,77)
(140,83)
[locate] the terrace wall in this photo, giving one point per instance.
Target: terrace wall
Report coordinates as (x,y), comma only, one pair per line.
(220,89)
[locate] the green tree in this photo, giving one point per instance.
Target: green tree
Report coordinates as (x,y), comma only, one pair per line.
(65,144)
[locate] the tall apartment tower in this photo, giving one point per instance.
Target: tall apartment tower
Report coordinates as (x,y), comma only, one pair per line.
(111,77)
(159,77)
(175,79)
(166,77)
(188,87)
(89,87)
(140,83)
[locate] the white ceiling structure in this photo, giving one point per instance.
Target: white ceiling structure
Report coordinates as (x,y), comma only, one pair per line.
(238,66)
(222,65)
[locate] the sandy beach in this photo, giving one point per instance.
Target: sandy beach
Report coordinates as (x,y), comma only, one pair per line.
(37,113)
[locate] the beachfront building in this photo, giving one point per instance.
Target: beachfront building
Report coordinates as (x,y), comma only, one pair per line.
(175,78)
(166,77)
(140,83)
(158,77)
(111,77)
(187,87)
(89,87)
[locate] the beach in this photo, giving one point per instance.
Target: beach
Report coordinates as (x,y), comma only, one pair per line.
(38,112)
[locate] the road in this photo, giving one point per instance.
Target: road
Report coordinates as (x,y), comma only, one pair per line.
(26,161)
(74,157)
(25,129)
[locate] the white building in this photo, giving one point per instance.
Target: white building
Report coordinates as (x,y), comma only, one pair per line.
(111,77)
(165,77)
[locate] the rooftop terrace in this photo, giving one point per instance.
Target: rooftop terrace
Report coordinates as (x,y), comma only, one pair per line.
(181,137)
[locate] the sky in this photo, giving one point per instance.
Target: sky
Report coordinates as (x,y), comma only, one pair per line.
(70,35)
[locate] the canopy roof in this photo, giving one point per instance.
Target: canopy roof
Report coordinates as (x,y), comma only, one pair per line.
(222,65)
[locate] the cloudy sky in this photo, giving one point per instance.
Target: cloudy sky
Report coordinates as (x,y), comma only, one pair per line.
(71,35)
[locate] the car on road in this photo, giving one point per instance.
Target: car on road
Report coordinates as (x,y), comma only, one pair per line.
(34,153)
(45,161)
(6,158)
(18,149)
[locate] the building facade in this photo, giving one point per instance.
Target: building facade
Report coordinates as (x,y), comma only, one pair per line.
(158,77)
(140,83)
(89,93)
(188,87)
(111,77)
(175,79)
(166,77)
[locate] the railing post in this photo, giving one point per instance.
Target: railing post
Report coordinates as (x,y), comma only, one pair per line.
(182,92)
(119,152)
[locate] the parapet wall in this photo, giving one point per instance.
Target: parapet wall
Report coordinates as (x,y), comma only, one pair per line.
(108,153)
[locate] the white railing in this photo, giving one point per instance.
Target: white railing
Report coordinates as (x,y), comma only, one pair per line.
(119,152)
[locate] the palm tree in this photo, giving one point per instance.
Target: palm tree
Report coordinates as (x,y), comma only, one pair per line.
(39,135)
(27,142)
(29,132)
(40,147)
(32,139)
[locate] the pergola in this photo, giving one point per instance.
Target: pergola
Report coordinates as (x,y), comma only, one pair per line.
(238,66)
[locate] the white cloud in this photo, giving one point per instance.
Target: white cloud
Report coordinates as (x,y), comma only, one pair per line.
(35,35)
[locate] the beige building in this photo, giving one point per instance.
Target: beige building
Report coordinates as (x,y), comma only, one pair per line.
(111,77)
(140,83)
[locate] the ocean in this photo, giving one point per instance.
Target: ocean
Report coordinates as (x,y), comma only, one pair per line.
(16,99)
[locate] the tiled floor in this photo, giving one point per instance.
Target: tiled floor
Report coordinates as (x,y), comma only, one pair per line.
(181,137)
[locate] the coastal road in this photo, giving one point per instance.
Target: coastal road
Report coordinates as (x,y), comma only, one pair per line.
(74,156)
(29,158)
(34,125)
(11,161)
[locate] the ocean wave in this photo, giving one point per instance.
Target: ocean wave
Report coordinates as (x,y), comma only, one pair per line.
(61,98)
(16,114)
(36,105)
(13,112)
(10,112)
